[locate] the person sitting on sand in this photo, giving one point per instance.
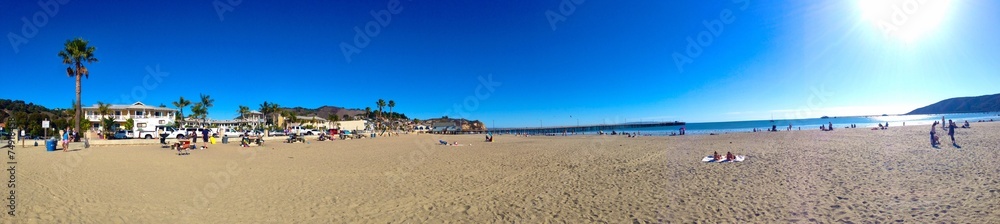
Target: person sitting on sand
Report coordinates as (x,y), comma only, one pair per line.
(730,156)
(716,156)
(880,126)
(966,125)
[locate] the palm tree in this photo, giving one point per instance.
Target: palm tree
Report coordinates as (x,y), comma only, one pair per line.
(180,104)
(76,53)
(275,111)
(381,104)
(206,102)
(198,111)
(104,109)
(244,110)
(347,117)
(391,105)
(265,108)
(368,112)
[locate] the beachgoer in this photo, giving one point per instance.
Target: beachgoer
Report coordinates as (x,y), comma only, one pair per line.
(730,156)
(951,131)
(830,126)
(966,124)
(716,156)
(880,126)
(204,137)
(194,136)
(65,139)
(934,138)
(886,125)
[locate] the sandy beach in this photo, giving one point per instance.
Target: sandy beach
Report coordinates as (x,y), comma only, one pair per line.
(847,175)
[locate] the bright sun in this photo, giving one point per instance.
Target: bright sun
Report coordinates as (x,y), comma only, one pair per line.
(907,20)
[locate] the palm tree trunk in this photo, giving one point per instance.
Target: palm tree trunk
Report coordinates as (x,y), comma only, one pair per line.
(79,111)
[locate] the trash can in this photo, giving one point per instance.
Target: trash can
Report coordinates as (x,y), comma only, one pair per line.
(50,145)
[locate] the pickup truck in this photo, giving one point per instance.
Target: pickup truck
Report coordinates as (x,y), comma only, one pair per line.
(302,131)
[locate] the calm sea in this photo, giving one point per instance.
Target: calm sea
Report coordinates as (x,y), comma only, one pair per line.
(814,123)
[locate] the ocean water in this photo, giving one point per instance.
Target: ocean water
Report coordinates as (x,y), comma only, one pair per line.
(814,123)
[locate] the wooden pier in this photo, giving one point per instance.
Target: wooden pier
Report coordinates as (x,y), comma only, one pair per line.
(585,128)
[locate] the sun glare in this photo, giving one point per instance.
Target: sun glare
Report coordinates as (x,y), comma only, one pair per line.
(906,20)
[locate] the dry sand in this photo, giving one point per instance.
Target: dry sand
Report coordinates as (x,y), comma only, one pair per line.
(848,175)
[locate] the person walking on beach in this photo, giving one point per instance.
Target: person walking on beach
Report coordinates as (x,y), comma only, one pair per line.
(951,131)
(204,137)
(65,140)
(934,138)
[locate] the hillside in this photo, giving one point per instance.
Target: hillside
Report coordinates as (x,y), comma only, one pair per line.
(987,103)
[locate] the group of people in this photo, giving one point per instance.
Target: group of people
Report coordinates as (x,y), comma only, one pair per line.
(70,135)
(826,128)
(717,157)
(936,140)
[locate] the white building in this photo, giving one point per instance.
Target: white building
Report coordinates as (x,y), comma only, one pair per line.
(144,117)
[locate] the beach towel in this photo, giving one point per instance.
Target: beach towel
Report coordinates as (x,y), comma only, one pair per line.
(710,159)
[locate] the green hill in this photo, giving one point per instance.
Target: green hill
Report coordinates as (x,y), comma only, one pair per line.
(976,104)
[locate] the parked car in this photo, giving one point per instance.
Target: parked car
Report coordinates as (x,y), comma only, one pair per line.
(277,132)
(232,133)
(302,131)
(123,134)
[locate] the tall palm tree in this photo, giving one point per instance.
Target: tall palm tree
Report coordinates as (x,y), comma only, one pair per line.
(206,102)
(76,53)
(391,105)
(265,108)
(368,112)
(180,104)
(381,104)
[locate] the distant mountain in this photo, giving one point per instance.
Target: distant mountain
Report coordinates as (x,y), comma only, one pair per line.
(987,103)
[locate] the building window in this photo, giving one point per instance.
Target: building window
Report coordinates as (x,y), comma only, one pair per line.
(163,122)
(141,125)
(138,113)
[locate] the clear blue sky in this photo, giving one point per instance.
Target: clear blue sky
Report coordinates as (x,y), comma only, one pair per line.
(607,61)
